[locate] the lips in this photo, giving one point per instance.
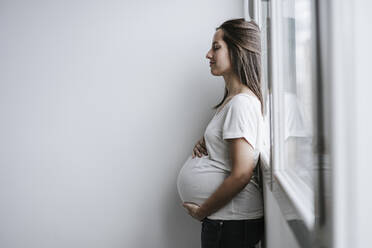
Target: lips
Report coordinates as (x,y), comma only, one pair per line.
(211,63)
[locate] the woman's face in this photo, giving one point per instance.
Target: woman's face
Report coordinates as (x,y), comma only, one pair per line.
(218,55)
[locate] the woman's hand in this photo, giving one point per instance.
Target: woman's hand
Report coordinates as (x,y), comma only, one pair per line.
(199,149)
(194,210)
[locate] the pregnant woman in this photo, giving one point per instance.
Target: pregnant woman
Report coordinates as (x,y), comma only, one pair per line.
(218,183)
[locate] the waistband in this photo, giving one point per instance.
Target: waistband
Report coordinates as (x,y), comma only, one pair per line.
(230,221)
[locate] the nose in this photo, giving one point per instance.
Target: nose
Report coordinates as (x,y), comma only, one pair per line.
(209,56)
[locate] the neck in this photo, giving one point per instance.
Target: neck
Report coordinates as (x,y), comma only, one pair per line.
(233,85)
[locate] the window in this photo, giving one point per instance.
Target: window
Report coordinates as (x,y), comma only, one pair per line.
(295,60)
(297,82)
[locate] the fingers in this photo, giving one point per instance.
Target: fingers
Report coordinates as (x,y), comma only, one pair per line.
(197,152)
(202,149)
(199,149)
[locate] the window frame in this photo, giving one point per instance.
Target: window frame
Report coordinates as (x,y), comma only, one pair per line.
(298,192)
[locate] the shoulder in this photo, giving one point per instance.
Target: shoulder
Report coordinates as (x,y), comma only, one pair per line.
(243,109)
(244,102)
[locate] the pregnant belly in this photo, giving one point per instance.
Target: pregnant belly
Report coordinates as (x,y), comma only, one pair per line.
(198,179)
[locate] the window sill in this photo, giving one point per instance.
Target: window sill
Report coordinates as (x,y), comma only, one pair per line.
(300,195)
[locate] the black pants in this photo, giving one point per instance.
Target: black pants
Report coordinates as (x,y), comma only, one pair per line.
(231,233)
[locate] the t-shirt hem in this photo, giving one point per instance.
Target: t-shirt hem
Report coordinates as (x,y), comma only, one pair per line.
(257,215)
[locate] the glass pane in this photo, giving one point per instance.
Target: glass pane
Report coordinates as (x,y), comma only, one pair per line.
(298,76)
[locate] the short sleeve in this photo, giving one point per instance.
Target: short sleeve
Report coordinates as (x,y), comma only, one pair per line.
(241,121)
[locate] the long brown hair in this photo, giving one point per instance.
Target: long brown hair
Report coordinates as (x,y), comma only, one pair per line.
(244,43)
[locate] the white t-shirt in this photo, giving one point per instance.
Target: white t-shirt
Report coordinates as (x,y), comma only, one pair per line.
(240,117)
(200,177)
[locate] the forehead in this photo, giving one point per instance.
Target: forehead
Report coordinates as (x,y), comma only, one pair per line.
(218,36)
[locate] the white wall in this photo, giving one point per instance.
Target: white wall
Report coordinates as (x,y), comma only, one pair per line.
(100,103)
(351,72)
(277,231)
(363,54)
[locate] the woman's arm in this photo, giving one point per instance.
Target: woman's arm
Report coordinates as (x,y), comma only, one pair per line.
(241,153)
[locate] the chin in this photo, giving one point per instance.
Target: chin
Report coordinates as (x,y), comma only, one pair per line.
(215,73)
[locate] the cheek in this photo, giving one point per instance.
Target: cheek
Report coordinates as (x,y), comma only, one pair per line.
(224,60)
(224,64)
